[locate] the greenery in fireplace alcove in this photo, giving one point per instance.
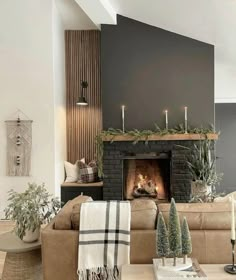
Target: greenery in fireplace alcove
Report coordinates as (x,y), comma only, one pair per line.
(202,167)
(201,163)
(138,135)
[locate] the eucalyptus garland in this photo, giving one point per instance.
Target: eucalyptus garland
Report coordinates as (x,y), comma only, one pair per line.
(139,135)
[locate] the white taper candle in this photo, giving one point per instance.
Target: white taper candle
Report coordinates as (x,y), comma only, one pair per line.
(232,219)
(166,113)
(186,119)
(185,113)
(123,117)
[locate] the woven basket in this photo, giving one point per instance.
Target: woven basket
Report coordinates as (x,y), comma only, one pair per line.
(23,266)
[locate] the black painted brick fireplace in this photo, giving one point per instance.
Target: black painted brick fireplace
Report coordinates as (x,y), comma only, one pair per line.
(113,160)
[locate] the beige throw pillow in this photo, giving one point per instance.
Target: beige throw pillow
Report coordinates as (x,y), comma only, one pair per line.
(72,171)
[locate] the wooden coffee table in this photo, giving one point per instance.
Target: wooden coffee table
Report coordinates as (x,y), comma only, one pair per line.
(23,260)
(145,272)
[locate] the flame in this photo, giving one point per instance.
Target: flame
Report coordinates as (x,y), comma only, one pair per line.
(140,176)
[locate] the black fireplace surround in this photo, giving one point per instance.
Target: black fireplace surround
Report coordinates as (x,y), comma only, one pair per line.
(116,152)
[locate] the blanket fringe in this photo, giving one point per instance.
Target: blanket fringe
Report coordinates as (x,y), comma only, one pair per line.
(99,273)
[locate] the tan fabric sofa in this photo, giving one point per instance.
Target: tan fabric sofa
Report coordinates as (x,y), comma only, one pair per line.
(209,226)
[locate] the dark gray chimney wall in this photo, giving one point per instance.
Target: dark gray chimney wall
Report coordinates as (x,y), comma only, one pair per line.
(149,69)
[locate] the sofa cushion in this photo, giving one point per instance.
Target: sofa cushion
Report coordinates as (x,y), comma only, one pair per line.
(143,214)
(63,218)
(226,198)
(205,216)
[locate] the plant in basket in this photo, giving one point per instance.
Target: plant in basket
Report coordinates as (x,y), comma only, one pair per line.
(30,209)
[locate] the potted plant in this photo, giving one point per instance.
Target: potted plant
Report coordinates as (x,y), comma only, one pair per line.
(30,209)
(202,167)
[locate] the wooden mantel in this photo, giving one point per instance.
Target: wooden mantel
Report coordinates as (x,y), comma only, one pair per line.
(167,137)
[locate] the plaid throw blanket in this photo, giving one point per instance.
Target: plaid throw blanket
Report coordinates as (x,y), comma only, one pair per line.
(104,239)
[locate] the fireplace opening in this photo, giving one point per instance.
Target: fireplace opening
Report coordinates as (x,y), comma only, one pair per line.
(147,176)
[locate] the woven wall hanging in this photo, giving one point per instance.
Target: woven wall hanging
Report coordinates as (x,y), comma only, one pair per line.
(19,144)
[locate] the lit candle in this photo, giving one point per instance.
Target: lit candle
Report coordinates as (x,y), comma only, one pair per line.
(123,117)
(232,219)
(166,113)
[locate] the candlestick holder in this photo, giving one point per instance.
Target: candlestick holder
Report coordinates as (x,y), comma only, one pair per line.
(186,127)
(231,268)
(123,128)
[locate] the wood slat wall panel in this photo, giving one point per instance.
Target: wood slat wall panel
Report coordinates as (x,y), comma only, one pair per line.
(83,63)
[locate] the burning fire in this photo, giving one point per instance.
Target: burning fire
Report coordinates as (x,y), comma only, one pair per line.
(142,181)
(145,186)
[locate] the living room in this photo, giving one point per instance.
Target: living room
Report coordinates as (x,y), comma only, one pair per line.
(116,101)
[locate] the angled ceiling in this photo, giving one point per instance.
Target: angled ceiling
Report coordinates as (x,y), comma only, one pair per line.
(187,17)
(210,21)
(73,17)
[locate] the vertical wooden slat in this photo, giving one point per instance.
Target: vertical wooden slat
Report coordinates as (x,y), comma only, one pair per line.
(83,63)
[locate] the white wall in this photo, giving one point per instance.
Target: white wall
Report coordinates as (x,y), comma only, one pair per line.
(225,82)
(27,82)
(59,97)
(225,54)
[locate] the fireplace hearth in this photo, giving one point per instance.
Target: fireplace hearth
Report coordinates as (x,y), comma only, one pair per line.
(156,170)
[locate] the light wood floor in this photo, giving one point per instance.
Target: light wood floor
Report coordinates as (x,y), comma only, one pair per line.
(4,227)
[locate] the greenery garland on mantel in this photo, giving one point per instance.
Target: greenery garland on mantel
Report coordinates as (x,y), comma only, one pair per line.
(143,135)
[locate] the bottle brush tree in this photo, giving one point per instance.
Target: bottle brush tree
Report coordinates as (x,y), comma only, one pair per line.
(186,240)
(175,239)
(162,240)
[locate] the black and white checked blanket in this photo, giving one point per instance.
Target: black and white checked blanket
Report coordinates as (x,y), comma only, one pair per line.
(104,239)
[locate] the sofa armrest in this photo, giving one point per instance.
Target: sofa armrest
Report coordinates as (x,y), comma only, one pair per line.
(59,253)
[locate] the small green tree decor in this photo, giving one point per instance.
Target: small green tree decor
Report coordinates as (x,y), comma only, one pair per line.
(162,239)
(175,239)
(186,240)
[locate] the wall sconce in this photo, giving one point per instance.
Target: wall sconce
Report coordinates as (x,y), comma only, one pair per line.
(82,100)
